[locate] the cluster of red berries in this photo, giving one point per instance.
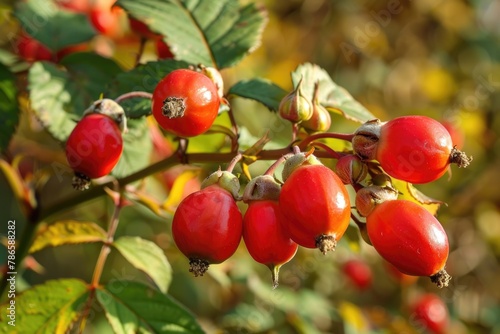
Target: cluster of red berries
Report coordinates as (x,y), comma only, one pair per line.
(312,207)
(185,103)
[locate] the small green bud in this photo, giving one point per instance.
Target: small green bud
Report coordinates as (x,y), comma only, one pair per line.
(295,107)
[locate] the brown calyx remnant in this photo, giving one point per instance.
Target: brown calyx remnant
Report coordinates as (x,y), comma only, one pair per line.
(173,107)
(80,181)
(198,266)
(326,243)
(459,158)
(441,278)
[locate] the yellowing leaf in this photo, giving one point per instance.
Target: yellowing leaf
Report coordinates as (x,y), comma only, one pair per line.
(146,200)
(176,194)
(47,308)
(410,193)
(67,232)
(354,321)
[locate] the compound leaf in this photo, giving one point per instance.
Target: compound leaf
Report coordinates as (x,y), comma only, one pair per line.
(213,33)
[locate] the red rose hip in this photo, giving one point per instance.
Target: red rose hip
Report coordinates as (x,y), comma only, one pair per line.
(359,273)
(410,238)
(416,149)
(316,205)
(431,312)
(207,227)
(93,148)
(185,103)
(265,237)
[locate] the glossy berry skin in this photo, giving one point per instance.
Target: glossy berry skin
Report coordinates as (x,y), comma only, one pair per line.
(409,237)
(430,312)
(264,234)
(185,103)
(414,148)
(359,273)
(94,146)
(315,203)
(207,225)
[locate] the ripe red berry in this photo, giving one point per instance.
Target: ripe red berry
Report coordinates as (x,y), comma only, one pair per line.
(410,238)
(430,312)
(107,20)
(185,103)
(94,147)
(316,204)
(32,50)
(265,236)
(416,149)
(358,272)
(207,227)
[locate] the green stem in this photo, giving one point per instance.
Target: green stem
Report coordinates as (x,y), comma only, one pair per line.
(334,154)
(233,162)
(156,168)
(279,161)
(131,95)
(142,45)
(332,135)
(106,247)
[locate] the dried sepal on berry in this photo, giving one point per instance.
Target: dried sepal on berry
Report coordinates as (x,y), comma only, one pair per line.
(351,169)
(369,197)
(364,142)
(111,109)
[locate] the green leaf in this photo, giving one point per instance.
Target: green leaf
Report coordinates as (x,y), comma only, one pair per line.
(53,27)
(145,255)
(143,78)
(260,90)
(59,96)
(137,308)
(330,95)
(67,232)
(213,33)
(47,308)
(137,148)
(9,113)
